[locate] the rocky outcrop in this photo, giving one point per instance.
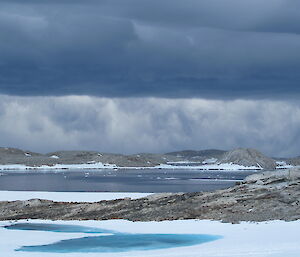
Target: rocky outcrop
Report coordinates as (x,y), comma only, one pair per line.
(249,157)
(261,197)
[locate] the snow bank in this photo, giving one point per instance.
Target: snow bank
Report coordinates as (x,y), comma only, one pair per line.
(170,165)
(85,166)
(267,239)
(67,196)
(283,165)
(222,166)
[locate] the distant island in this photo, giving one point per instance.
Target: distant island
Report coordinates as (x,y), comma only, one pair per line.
(212,159)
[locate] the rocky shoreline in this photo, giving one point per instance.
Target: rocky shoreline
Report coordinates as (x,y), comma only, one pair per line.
(260,197)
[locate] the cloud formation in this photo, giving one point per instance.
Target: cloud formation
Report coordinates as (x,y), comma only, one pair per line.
(132,125)
(207,49)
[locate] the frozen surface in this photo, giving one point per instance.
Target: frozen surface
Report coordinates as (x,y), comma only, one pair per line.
(99,165)
(59,228)
(121,242)
(268,239)
(67,196)
(283,165)
(222,166)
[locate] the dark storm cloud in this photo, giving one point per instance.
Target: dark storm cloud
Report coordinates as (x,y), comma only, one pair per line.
(217,49)
(122,125)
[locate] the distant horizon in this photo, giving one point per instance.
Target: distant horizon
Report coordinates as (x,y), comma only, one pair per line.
(136,153)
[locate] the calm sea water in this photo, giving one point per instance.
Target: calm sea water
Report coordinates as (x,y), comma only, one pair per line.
(120,180)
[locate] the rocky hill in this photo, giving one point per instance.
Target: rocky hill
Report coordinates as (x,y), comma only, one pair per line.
(17,156)
(248,157)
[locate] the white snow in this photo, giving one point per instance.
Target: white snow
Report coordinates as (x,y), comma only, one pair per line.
(222,166)
(266,239)
(54,157)
(99,165)
(68,196)
(283,165)
(182,162)
(210,161)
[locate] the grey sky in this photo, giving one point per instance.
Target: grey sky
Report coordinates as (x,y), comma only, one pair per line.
(241,49)
(148,124)
(150,76)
